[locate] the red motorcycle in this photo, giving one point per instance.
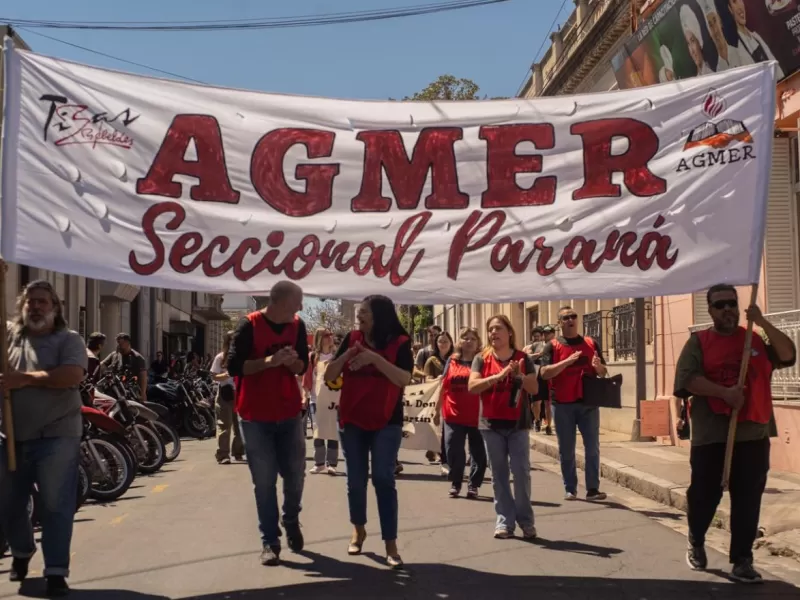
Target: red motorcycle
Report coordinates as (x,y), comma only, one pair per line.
(106,455)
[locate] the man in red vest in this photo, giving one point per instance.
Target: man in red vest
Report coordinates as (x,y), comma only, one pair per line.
(268,350)
(565,361)
(708,371)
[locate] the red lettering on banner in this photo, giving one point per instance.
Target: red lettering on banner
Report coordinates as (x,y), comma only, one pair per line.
(433,152)
(266,171)
(190,252)
(503,164)
(213,185)
(479,230)
(599,164)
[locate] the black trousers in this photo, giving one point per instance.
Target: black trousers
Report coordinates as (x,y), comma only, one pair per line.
(749,470)
(455,436)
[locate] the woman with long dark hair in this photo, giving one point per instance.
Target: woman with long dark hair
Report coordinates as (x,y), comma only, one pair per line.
(502,375)
(434,367)
(226,416)
(375,363)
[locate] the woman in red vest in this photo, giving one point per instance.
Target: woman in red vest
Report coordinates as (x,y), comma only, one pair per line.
(503,376)
(375,363)
(461,410)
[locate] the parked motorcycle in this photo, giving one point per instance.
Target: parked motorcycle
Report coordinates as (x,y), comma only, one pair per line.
(186,410)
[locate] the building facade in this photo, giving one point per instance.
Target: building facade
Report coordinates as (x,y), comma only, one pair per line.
(157,319)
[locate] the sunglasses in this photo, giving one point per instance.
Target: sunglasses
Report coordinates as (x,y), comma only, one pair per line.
(721,304)
(569,317)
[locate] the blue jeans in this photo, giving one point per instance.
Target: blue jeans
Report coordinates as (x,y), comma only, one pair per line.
(504,447)
(276,449)
(383,445)
(52,464)
(587,419)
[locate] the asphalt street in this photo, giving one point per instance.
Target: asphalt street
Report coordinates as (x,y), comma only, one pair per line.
(189,532)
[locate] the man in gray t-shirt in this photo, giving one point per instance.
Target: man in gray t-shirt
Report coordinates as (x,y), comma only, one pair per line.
(47,362)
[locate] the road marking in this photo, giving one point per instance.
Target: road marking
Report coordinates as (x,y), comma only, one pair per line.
(116,521)
(160,488)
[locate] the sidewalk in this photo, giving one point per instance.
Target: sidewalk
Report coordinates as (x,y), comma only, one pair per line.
(662,473)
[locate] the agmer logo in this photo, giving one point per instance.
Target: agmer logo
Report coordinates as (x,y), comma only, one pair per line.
(716,138)
(77,124)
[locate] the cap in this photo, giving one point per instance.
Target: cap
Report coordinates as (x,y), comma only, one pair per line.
(548,329)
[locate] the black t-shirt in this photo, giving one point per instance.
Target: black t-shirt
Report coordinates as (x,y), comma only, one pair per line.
(525,419)
(547,353)
(120,363)
(242,344)
(404,360)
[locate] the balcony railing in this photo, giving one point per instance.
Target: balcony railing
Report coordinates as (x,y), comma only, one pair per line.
(785,382)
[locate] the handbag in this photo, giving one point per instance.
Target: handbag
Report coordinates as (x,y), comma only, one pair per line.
(605,392)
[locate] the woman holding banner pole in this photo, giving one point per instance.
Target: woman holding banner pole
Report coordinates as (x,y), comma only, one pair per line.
(502,375)
(461,411)
(375,363)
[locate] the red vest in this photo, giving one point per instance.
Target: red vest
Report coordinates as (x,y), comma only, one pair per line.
(270,395)
(368,398)
(495,400)
(722,358)
(458,405)
(567,386)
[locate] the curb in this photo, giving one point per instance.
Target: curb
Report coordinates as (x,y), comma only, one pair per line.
(644,484)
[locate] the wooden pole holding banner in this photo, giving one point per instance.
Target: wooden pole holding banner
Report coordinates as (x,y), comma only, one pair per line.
(748,342)
(8,417)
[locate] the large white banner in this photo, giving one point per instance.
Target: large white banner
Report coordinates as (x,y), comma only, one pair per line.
(151,182)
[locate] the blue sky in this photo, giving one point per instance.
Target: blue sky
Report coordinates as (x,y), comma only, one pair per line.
(492,45)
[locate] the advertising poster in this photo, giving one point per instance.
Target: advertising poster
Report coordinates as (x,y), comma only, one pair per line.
(686,38)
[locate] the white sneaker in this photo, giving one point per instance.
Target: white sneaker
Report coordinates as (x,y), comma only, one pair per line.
(570,496)
(331,470)
(317,469)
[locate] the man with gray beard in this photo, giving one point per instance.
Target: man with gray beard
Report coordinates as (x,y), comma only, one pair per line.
(46,362)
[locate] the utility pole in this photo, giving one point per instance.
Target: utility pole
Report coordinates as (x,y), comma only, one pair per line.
(641,363)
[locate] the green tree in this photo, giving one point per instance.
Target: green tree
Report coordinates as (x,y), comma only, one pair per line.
(448,87)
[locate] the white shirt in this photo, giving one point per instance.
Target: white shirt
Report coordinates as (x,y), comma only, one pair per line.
(216,369)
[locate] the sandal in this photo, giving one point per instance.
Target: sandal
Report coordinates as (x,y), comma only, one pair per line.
(356,543)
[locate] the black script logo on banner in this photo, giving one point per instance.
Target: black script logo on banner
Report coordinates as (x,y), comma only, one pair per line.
(77,124)
(722,142)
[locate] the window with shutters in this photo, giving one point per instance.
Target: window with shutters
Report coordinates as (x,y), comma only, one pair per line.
(700,307)
(780,243)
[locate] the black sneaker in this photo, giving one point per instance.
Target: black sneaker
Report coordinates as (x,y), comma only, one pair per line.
(548,430)
(743,572)
(537,426)
(19,569)
(596,496)
(696,558)
(294,537)
(56,586)
(271,556)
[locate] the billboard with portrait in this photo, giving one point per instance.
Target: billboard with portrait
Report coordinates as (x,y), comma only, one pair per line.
(685,38)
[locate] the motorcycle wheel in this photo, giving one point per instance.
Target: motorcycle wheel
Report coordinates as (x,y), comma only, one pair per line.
(170,439)
(120,477)
(195,424)
(153,456)
(84,485)
(211,422)
(122,444)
